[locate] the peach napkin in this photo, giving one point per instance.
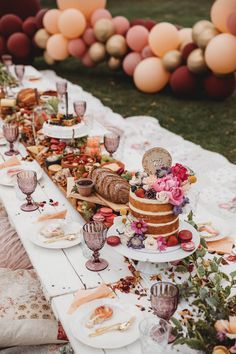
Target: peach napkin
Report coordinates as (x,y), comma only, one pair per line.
(13,161)
(83,296)
(222,246)
(57,215)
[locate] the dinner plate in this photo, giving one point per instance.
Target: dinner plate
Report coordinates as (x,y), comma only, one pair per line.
(218,224)
(5,180)
(71,227)
(112,340)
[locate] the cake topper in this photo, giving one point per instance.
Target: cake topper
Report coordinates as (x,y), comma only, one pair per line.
(155,159)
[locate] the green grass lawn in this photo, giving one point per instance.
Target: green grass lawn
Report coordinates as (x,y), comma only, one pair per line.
(208,123)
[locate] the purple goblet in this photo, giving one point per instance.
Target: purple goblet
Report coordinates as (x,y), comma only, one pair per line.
(164,301)
(11,132)
(95,236)
(20,71)
(80,108)
(111,142)
(27,182)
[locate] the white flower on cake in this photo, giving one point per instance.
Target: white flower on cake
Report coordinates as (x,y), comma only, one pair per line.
(150,243)
(150,180)
(162,197)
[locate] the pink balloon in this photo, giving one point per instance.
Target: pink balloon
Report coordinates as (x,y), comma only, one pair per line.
(89,37)
(137,38)
(231,23)
(121,24)
(87,61)
(147,52)
(77,47)
(98,14)
(130,62)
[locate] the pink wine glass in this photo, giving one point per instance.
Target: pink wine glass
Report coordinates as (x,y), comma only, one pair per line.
(20,71)
(80,108)
(95,236)
(11,132)
(27,182)
(111,142)
(7,61)
(164,301)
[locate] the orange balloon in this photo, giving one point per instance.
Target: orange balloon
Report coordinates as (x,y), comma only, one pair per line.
(71,23)
(50,21)
(57,47)
(163,37)
(220,12)
(87,7)
(185,36)
(150,75)
(220,54)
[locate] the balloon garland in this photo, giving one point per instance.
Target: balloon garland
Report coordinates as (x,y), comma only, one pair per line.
(154,54)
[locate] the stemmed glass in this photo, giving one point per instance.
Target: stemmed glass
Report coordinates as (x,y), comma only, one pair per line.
(111,142)
(11,132)
(27,182)
(164,301)
(61,91)
(7,61)
(94,234)
(154,333)
(19,71)
(80,108)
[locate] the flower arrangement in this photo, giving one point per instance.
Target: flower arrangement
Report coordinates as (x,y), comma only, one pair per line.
(167,185)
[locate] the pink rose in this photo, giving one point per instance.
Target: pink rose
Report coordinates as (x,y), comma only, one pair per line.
(176,196)
(166,183)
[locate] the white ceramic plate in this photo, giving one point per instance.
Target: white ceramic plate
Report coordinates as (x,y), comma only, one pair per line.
(169,255)
(111,340)
(5,180)
(219,224)
(71,227)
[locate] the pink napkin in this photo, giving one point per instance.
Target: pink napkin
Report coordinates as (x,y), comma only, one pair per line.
(57,215)
(13,161)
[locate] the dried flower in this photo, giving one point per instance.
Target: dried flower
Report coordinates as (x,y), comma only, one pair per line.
(136,242)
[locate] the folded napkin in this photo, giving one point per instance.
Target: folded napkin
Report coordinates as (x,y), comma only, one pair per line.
(222,246)
(83,296)
(57,215)
(13,161)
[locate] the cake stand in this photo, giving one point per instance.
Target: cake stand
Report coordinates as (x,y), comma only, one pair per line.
(56,131)
(150,262)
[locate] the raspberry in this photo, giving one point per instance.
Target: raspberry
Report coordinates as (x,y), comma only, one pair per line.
(140,193)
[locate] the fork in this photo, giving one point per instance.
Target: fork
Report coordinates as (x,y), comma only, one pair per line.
(121,326)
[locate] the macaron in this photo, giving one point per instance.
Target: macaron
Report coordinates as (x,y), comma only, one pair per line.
(188,246)
(113,241)
(110,218)
(185,236)
(106,212)
(98,217)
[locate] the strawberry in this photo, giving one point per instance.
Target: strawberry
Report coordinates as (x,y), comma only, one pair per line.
(172,241)
(140,193)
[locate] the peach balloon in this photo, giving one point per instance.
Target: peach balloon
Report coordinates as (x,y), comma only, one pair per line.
(50,21)
(71,23)
(98,14)
(121,24)
(185,36)
(87,7)
(163,37)
(220,11)
(137,38)
(57,47)
(130,62)
(220,54)
(41,37)
(87,61)
(88,36)
(48,59)
(231,23)
(147,52)
(150,75)
(77,47)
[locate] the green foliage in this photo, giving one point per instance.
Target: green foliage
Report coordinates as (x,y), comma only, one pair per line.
(6,79)
(51,106)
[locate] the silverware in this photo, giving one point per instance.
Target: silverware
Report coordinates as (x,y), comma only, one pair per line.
(121,326)
(69,237)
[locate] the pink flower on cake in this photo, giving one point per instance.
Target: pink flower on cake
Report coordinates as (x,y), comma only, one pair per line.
(139,227)
(176,196)
(150,180)
(180,172)
(166,183)
(161,243)
(162,197)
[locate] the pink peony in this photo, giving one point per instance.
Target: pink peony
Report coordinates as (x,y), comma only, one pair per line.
(180,172)
(176,196)
(166,183)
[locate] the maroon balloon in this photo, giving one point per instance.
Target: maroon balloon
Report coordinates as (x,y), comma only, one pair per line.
(145,23)
(22,8)
(231,23)
(10,24)
(3,45)
(219,88)
(30,26)
(19,45)
(39,17)
(187,50)
(183,83)
(149,24)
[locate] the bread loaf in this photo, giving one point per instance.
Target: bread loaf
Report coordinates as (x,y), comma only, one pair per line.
(110,185)
(27,98)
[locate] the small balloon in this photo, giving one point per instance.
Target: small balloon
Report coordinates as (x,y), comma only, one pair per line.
(87,61)
(41,37)
(163,38)
(231,23)
(57,47)
(130,62)
(137,38)
(187,50)
(206,36)
(103,29)
(220,12)
(99,14)
(199,27)
(147,52)
(88,36)
(77,47)
(50,21)
(71,23)
(185,36)
(114,63)
(172,60)
(87,7)
(121,24)
(48,59)
(116,46)
(196,62)
(97,52)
